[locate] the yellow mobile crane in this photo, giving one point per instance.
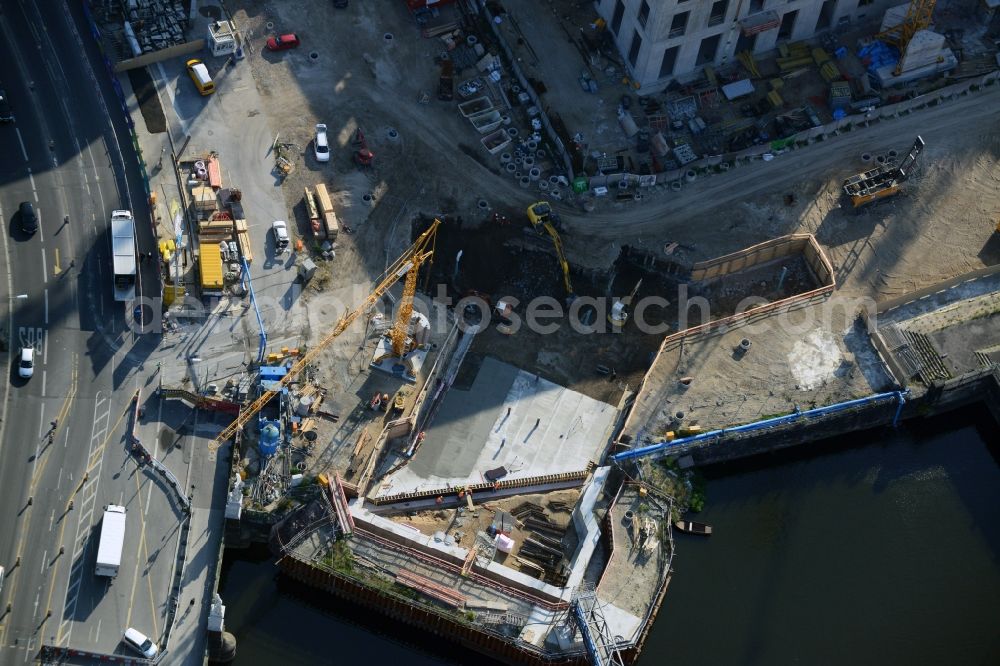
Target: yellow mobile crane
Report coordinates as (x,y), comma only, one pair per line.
(408,264)
(544,220)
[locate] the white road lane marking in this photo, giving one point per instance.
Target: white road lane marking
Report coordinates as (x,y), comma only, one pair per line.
(52,519)
(41,420)
(41,232)
(45,268)
(45,556)
(21,141)
(45,342)
(10,329)
(46,309)
(44,377)
(34,189)
(86,505)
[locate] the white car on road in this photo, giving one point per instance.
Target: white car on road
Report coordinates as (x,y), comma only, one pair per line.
(322,144)
(280,231)
(26,362)
(139,642)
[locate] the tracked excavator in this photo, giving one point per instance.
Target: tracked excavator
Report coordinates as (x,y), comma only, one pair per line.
(545,221)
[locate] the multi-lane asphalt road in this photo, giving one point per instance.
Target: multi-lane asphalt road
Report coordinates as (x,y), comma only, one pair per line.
(62,447)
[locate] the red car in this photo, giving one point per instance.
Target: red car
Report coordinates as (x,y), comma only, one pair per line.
(283,42)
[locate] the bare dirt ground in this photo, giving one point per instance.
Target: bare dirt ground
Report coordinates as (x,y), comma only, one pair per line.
(373,84)
(940,226)
(468,524)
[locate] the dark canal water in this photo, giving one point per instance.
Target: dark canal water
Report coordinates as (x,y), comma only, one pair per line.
(880,548)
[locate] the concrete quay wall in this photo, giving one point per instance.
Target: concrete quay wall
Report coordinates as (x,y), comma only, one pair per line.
(983,386)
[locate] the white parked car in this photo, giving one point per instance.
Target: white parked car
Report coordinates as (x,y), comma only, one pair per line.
(322,144)
(26,364)
(139,642)
(280,231)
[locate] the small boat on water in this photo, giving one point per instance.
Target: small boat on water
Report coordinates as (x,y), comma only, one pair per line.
(692,527)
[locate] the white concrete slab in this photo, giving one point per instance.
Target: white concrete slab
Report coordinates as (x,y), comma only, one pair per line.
(510,418)
(620,622)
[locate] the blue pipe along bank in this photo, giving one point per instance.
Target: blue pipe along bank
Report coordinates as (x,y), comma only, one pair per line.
(797,415)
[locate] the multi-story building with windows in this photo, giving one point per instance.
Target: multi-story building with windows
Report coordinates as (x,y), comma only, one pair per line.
(661,40)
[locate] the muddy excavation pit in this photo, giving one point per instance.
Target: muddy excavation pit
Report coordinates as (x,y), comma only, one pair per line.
(581,349)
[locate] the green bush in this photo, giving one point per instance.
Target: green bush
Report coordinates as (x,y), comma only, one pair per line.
(340,558)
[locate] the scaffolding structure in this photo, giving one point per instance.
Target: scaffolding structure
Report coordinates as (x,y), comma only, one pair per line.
(602,645)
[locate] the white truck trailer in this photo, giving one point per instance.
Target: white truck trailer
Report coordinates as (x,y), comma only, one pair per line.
(109,551)
(123,254)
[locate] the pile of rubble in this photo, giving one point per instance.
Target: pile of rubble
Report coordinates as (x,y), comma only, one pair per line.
(146,25)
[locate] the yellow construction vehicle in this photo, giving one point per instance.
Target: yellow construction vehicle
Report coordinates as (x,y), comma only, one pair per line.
(407,265)
(544,220)
(884,180)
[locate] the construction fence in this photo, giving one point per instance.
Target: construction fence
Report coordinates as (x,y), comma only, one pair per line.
(770,250)
(729,264)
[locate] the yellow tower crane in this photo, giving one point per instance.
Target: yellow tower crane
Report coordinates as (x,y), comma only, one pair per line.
(918,16)
(407,264)
(400,329)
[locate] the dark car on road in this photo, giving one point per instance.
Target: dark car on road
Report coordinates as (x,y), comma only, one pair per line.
(29,220)
(6,115)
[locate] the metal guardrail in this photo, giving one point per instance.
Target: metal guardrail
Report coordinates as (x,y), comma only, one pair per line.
(52,654)
(95,33)
(146,457)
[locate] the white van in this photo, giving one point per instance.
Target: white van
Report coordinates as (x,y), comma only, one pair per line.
(138,641)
